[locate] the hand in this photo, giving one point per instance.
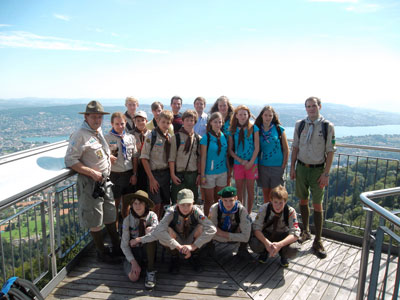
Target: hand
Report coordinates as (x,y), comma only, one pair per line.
(133,180)
(276,247)
(187,250)
(134,242)
(96,176)
(203,180)
(135,271)
(292,173)
(248,165)
(175,179)
(113,159)
(154,186)
(198,179)
(323,180)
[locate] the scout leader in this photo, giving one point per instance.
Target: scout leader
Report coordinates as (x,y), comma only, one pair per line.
(154,157)
(89,155)
(232,221)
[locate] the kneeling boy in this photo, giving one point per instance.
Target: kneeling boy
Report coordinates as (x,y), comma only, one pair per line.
(140,221)
(232,220)
(276,228)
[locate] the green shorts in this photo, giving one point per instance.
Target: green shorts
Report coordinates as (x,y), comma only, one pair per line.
(307,181)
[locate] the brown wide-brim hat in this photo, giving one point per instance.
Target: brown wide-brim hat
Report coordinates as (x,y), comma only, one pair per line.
(94,107)
(140,195)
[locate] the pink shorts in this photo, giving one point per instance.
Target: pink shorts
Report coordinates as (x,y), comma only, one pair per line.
(240,172)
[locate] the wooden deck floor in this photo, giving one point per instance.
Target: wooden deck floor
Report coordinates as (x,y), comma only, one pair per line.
(306,278)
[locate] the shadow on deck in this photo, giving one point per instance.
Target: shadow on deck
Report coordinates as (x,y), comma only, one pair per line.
(306,278)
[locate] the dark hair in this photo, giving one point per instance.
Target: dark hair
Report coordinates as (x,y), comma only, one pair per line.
(213,116)
(214,108)
(156,105)
(280,193)
(275,119)
(190,113)
(176,98)
(202,99)
(313,99)
(118,115)
(167,114)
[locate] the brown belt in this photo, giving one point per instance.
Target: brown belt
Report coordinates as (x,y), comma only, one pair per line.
(310,165)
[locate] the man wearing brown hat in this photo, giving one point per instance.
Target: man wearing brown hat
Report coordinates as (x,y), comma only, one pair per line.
(89,155)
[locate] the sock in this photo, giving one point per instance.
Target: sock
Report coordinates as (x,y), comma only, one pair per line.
(305,215)
(98,240)
(318,221)
(113,233)
(151,253)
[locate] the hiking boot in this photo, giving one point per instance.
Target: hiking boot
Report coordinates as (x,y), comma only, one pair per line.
(211,250)
(319,249)
(263,257)
(284,262)
(243,253)
(174,266)
(304,236)
(107,258)
(150,281)
(196,264)
(116,252)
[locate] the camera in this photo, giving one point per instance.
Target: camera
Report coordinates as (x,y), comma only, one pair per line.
(99,190)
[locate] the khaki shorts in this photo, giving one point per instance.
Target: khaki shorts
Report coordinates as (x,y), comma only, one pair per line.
(94,212)
(307,181)
(214,180)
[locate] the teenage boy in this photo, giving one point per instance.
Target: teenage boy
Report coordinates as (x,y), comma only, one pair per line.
(176,104)
(184,158)
(156,109)
(184,230)
(232,221)
(154,157)
(199,106)
(276,229)
(88,154)
(131,105)
(313,150)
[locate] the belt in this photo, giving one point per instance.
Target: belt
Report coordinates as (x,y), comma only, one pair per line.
(309,165)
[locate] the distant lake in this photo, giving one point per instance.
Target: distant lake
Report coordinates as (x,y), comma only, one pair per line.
(340,131)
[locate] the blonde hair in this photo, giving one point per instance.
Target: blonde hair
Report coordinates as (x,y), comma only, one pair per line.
(280,193)
(131,99)
(167,114)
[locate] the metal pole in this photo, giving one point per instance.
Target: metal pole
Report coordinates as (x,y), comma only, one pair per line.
(362,275)
(51,230)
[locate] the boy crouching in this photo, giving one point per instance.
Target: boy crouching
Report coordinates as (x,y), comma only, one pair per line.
(276,229)
(232,221)
(139,222)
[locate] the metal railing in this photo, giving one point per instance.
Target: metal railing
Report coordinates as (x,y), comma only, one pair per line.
(389,225)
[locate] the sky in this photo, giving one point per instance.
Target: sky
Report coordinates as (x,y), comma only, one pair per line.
(253,51)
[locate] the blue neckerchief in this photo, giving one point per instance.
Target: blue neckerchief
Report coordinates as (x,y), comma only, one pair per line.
(226,226)
(121,136)
(266,133)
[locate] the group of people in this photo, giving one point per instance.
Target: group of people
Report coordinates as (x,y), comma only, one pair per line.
(143,166)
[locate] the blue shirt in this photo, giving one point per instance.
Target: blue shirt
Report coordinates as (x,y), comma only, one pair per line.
(246,148)
(215,164)
(270,147)
(225,128)
(200,127)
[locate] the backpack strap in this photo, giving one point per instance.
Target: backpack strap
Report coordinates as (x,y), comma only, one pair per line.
(175,219)
(178,140)
(279,130)
(153,138)
(324,126)
(301,127)
(193,220)
(285,214)
(197,137)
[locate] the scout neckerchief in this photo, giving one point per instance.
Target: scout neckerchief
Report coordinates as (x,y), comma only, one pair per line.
(311,127)
(141,137)
(266,134)
(218,140)
(154,122)
(167,145)
(227,224)
(121,136)
(142,220)
(130,128)
(274,221)
(241,133)
(186,223)
(99,135)
(188,142)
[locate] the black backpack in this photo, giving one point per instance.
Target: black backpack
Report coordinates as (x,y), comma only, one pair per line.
(285,214)
(325,124)
(237,219)
(20,289)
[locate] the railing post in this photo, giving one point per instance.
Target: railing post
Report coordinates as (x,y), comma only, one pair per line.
(51,230)
(362,275)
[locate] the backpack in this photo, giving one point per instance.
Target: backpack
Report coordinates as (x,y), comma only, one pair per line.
(285,214)
(20,289)
(237,219)
(174,222)
(178,141)
(325,124)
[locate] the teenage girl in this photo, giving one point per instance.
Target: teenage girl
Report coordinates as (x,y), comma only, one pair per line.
(214,163)
(274,151)
(244,148)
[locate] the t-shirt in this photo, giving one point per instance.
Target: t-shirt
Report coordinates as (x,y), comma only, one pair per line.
(215,164)
(177,122)
(270,147)
(246,148)
(225,128)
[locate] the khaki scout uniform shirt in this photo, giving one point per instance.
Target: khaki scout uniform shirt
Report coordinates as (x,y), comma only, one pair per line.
(243,234)
(314,152)
(85,147)
(178,155)
(281,227)
(139,144)
(114,142)
(161,232)
(130,230)
(150,126)
(156,156)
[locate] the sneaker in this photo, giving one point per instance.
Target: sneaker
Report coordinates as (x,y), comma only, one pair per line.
(284,262)
(244,254)
(150,281)
(107,258)
(319,249)
(263,257)
(196,264)
(305,236)
(174,265)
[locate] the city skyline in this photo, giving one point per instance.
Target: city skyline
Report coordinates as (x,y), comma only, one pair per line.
(343,51)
